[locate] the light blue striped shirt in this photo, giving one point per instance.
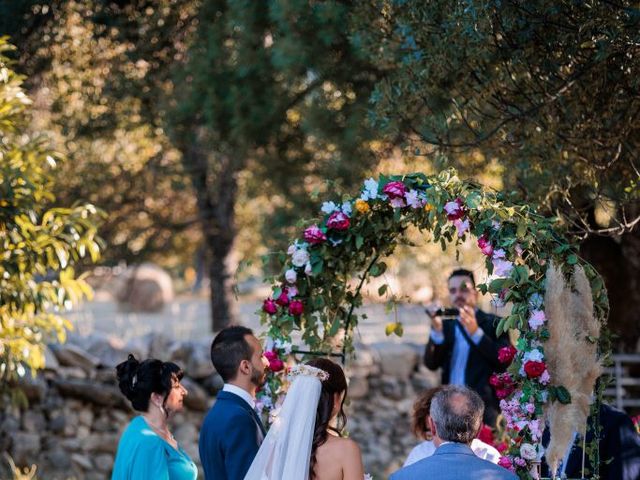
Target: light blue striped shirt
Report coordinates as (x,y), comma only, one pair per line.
(460,351)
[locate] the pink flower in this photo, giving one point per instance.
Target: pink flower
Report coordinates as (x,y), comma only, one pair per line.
(507,354)
(338,221)
(534,369)
(519,250)
(521,462)
(283,299)
(296,307)
(505,462)
(314,235)
(537,319)
(485,245)
(545,378)
(270,306)
(462,226)
(395,190)
(530,407)
(454,209)
(292,291)
(397,202)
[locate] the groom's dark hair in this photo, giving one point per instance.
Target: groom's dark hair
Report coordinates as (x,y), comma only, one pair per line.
(228,349)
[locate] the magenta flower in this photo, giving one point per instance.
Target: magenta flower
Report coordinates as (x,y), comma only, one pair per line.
(314,235)
(269,306)
(395,190)
(485,245)
(296,307)
(283,299)
(338,221)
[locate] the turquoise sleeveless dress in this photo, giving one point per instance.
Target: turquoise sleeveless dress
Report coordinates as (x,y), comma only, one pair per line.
(144,455)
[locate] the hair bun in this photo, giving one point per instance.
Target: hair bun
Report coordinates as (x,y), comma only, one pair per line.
(127,375)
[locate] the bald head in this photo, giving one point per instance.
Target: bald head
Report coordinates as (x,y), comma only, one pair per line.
(456,412)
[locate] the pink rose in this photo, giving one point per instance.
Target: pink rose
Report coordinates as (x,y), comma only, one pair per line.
(507,354)
(338,221)
(270,306)
(395,190)
(454,209)
(296,307)
(537,319)
(505,462)
(283,299)
(534,369)
(485,245)
(314,235)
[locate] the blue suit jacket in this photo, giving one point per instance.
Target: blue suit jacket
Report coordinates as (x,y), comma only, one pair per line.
(453,461)
(229,438)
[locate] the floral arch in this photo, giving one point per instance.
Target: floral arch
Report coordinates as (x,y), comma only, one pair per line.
(313,296)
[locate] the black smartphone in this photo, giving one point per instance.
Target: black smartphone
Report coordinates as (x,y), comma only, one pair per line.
(445,312)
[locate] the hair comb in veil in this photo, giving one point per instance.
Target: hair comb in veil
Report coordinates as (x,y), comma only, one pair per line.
(307,370)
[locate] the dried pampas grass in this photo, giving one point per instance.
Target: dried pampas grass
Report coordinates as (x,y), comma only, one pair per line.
(572,359)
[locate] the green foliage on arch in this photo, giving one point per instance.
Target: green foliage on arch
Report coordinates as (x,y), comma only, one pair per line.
(316,296)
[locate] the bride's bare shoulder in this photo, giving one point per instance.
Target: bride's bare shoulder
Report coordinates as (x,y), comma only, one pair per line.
(345,446)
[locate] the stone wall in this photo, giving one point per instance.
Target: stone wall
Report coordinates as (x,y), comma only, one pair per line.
(77,414)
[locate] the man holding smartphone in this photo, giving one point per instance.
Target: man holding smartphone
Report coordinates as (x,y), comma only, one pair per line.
(464,343)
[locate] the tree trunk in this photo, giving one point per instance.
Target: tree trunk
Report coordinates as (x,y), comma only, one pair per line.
(215,184)
(618,261)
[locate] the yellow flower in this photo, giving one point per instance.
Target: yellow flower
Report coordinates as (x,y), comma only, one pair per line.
(428,207)
(362,206)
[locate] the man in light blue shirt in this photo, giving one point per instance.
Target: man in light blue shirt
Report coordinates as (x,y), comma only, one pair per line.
(466,348)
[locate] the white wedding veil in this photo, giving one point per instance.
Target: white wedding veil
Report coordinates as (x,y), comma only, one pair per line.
(285,452)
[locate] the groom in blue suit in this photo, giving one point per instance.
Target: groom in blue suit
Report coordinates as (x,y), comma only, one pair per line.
(232,431)
(455,419)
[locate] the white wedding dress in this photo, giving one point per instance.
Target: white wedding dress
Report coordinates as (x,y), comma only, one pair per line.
(285,452)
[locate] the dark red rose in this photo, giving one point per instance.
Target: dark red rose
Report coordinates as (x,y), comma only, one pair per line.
(534,369)
(507,354)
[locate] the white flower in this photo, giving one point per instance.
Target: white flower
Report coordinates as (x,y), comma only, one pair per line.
(462,226)
(291,276)
(329,207)
(537,319)
(300,257)
(307,268)
(528,451)
(413,199)
(292,249)
(498,253)
(397,202)
(346,208)
(283,345)
(534,355)
(370,190)
(495,225)
(502,268)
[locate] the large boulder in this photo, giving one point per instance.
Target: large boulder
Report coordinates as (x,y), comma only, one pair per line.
(145,288)
(396,359)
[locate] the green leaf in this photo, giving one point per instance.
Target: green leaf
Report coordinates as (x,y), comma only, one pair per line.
(382,290)
(335,326)
(572,259)
(563,395)
(359,241)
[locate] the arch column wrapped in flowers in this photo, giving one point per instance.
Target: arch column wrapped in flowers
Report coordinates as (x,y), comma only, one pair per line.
(314,294)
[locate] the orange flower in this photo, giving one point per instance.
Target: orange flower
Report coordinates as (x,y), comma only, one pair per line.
(428,207)
(362,206)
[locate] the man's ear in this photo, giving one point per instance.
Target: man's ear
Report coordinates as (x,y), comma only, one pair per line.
(432,426)
(245,367)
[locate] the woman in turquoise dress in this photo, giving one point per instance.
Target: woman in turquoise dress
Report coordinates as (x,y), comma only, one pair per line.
(147,449)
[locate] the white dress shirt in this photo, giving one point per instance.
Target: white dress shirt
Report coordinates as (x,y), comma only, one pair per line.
(243,394)
(427,448)
(460,353)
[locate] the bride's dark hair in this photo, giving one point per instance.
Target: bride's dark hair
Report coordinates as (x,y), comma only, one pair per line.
(336,383)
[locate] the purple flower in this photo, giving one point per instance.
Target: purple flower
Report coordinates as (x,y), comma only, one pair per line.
(314,235)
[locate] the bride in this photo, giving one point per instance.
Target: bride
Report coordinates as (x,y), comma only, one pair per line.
(304,442)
